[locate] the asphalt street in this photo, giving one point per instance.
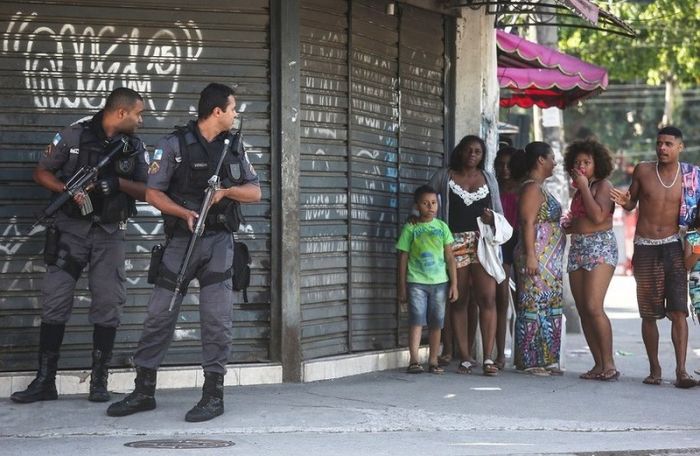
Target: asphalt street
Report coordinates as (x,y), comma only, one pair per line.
(391,412)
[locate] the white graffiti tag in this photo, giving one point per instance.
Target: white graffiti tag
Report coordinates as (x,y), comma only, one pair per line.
(74,66)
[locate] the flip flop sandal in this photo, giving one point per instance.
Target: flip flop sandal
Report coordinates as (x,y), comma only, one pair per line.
(444,360)
(590,375)
(465,367)
(537,371)
(652,380)
(608,375)
(435,369)
(414,368)
(685,382)
(490,368)
(554,370)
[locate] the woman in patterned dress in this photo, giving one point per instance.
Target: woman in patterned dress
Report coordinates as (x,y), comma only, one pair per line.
(593,250)
(538,262)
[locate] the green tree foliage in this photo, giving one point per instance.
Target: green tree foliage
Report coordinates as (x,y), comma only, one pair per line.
(666,52)
(667,46)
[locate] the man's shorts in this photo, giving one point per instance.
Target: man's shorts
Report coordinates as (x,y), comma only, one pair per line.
(426,305)
(662,281)
(464,248)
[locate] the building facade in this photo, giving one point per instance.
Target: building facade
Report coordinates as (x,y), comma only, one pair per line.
(347,109)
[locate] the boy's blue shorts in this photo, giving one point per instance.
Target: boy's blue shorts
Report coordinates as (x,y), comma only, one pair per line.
(426,305)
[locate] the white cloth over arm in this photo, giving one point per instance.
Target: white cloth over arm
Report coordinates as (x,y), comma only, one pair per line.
(488,251)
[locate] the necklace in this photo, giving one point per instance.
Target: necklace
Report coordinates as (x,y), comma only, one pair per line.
(678,171)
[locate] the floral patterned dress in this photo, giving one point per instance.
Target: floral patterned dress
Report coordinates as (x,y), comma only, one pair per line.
(539,306)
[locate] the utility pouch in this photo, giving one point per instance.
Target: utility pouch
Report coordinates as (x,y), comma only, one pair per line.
(241,268)
(233,217)
(154,267)
(51,245)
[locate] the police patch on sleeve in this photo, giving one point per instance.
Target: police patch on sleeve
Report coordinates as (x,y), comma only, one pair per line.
(154,167)
(56,139)
(146,157)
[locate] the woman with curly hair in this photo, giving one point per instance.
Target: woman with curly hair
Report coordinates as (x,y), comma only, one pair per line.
(593,250)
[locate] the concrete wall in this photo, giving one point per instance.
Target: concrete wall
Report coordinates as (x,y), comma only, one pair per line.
(476,85)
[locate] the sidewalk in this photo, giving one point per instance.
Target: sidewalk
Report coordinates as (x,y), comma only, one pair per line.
(389,413)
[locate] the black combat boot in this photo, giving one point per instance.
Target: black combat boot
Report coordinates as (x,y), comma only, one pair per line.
(98,377)
(212,403)
(141,399)
(43,387)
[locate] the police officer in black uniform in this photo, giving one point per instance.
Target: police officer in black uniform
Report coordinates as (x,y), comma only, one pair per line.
(182,164)
(95,239)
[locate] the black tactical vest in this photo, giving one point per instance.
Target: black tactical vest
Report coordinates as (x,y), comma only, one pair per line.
(190,181)
(92,148)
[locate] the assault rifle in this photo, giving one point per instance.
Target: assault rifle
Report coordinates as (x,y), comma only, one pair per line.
(213,184)
(80,181)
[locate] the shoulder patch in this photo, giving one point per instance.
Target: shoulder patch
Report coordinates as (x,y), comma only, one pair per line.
(153,168)
(56,139)
(146,157)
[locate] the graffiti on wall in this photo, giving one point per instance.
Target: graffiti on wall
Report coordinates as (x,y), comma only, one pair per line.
(73,66)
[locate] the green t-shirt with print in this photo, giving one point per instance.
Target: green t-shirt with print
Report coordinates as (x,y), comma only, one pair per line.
(425,244)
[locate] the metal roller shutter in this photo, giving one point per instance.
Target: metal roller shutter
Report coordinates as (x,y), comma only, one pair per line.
(372,131)
(324,177)
(374,148)
(58,62)
(422,82)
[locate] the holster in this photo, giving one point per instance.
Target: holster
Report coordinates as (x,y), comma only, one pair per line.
(225,217)
(51,245)
(154,266)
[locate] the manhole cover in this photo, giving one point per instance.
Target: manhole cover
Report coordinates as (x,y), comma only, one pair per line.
(180,444)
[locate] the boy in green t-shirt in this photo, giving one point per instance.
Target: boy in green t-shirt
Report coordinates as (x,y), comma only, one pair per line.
(425,259)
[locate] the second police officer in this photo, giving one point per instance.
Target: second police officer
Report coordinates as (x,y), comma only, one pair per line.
(180,167)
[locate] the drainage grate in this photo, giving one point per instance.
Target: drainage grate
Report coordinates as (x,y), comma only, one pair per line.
(180,444)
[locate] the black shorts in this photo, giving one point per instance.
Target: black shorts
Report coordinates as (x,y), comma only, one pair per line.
(662,281)
(508,248)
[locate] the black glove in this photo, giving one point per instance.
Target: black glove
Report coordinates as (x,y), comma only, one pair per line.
(107,187)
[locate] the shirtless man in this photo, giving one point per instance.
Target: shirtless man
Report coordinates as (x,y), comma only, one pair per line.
(658,251)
